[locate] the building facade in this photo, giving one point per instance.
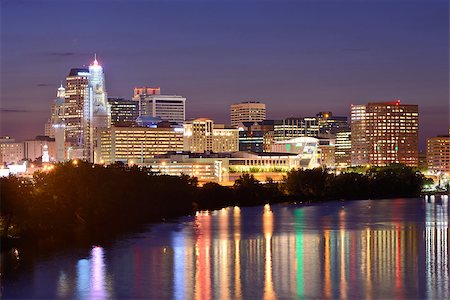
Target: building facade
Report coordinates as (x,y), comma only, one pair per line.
(251,111)
(56,112)
(123,112)
(11,152)
(307,148)
(137,144)
(343,148)
(76,93)
(202,135)
(290,128)
(385,133)
(329,125)
(438,154)
(253,136)
(170,108)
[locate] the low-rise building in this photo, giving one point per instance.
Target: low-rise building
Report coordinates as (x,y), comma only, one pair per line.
(202,135)
(11,152)
(137,144)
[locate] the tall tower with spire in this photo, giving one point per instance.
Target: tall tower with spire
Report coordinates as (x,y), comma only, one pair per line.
(96,112)
(56,112)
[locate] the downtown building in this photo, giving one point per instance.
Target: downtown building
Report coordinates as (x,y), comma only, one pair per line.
(438,154)
(133,145)
(291,128)
(11,152)
(170,108)
(123,112)
(256,136)
(383,133)
(251,111)
(80,113)
(202,135)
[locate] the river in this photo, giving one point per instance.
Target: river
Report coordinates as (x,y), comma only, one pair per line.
(397,248)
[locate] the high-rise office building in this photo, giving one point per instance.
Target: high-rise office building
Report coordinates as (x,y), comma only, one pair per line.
(251,111)
(290,128)
(202,135)
(86,111)
(343,148)
(76,92)
(123,112)
(438,153)
(360,152)
(170,108)
(385,133)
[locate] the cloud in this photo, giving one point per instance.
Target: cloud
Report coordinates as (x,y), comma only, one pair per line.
(13,110)
(62,54)
(44,84)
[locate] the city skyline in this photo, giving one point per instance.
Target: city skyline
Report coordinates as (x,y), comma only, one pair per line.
(296,66)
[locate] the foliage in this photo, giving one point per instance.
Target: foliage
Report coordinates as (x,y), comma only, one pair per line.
(395,180)
(79,197)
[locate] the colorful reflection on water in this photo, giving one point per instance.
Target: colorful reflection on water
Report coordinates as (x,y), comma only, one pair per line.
(362,249)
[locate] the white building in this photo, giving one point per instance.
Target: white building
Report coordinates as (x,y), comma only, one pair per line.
(306,147)
(170,108)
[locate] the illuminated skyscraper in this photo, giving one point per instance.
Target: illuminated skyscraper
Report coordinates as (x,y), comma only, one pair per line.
(96,113)
(86,111)
(56,113)
(359,152)
(75,97)
(385,133)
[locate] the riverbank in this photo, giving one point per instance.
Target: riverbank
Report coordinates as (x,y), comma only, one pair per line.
(93,203)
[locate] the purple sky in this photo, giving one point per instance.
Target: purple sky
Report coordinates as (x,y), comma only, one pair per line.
(298,57)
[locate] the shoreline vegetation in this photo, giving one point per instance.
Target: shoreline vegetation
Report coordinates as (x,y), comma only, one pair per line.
(77,200)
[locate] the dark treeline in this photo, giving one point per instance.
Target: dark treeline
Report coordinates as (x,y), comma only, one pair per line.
(79,198)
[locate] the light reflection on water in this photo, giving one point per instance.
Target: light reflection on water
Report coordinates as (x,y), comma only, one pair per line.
(365,249)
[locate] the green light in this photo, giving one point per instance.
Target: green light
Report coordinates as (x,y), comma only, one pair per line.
(298,215)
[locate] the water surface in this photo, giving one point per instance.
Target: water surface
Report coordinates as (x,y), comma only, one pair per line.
(360,249)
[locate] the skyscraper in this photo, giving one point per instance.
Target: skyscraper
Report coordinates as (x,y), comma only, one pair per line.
(360,152)
(96,113)
(385,133)
(251,111)
(75,97)
(86,111)
(56,112)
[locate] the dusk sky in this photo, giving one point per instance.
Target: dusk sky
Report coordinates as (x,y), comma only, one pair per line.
(298,57)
